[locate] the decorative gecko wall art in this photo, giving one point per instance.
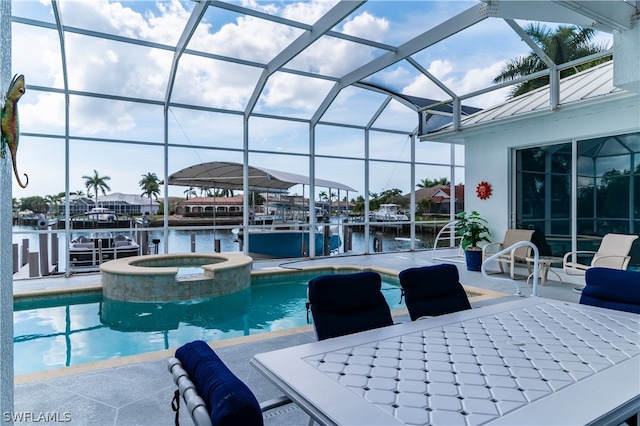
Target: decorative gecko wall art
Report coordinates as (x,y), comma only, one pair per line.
(10,126)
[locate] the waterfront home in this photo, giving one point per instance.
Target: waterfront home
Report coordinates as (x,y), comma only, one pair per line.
(566,169)
(205,206)
(439,197)
(116,202)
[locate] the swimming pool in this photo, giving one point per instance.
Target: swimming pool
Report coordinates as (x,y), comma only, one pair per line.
(56,333)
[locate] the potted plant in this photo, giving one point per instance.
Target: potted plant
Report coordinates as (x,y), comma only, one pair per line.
(473,230)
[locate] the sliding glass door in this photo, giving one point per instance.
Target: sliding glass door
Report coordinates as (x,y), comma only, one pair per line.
(607,191)
(543,192)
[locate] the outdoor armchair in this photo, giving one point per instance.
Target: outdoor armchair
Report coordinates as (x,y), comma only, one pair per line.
(433,290)
(511,237)
(342,304)
(613,253)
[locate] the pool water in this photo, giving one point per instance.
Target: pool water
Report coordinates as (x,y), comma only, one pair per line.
(63,332)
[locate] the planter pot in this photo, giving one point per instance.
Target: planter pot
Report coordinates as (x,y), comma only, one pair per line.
(474,259)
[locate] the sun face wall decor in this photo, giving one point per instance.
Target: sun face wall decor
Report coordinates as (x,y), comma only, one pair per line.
(483,190)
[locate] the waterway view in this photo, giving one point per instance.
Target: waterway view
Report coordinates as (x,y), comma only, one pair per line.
(203,239)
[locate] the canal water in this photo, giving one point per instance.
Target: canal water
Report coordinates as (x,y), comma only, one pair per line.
(389,239)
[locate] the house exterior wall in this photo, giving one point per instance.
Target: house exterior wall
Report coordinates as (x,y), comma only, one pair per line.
(488,150)
(626,72)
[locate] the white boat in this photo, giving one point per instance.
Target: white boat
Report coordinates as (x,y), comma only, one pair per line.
(87,250)
(389,213)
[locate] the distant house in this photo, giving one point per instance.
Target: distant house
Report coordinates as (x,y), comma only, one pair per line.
(440,199)
(129,203)
(224,206)
(233,206)
(116,202)
(341,206)
(77,205)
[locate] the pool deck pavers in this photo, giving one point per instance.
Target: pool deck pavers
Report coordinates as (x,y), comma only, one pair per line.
(138,390)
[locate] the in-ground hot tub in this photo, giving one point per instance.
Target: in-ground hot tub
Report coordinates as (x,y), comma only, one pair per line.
(155,278)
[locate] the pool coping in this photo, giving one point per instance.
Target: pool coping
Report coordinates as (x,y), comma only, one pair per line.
(482,294)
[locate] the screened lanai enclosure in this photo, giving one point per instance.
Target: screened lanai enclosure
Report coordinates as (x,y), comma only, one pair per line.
(336,91)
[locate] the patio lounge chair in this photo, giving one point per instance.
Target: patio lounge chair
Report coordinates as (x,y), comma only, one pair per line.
(612,289)
(212,393)
(433,290)
(511,237)
(613,253)
(347,303)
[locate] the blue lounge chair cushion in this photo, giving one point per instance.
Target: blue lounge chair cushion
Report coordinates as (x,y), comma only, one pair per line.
(433,290)
(229,401)
(612,289)
(347,303)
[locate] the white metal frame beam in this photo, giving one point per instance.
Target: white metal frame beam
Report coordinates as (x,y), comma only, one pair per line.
(438,33)
(320,28)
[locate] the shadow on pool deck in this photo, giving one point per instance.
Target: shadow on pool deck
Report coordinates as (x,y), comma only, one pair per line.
(138,390)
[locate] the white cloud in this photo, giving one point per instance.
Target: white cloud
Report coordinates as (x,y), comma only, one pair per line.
(115,68)
(294,92)
(367,26)
(440,67)
(307,12)
(471,80)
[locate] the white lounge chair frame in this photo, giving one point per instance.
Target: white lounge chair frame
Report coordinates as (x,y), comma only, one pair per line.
(533,255)
(518,253)
(613,253)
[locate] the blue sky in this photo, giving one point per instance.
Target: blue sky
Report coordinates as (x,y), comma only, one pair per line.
(465,62)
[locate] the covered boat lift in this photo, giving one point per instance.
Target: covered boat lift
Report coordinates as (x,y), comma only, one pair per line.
(237,176)
(229,175)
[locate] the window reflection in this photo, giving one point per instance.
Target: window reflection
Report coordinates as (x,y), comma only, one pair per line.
(608,192)
(544,196)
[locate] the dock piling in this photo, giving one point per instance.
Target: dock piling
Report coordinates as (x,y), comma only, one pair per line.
(25,251)
(16,261)
(34,266)
(44,254)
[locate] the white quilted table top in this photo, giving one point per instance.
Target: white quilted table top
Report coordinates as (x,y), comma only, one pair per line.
(476,370)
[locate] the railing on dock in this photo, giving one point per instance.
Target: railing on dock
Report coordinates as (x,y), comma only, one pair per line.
(448,233)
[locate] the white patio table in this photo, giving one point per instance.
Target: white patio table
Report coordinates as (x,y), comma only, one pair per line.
(529,361)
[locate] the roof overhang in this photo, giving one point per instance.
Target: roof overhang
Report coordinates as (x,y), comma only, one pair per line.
(590,87)
(602,15)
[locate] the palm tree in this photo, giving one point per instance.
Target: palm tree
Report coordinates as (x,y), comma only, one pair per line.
(225,192)
(190,191)
(428,183)
(55,200)
(565,44)
(206,191)
(97,182)
(255,198)
(150,187)
(15,206)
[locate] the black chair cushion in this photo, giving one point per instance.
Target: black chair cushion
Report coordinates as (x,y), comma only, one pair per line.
(347,303)
(433,290)
(229,401)
(612,289)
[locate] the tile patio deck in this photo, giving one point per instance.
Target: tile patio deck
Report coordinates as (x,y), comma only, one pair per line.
(138,390)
